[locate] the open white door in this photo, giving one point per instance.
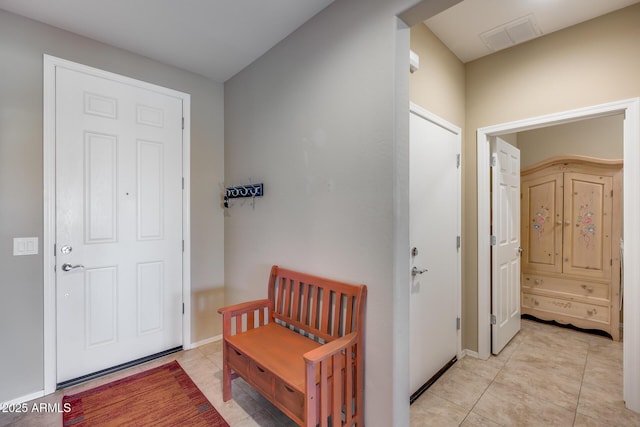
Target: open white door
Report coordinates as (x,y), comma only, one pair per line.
(505,249)
(434,238)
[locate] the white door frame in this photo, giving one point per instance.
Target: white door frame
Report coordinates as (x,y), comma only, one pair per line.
(631,196)
(429,116)
(49,196)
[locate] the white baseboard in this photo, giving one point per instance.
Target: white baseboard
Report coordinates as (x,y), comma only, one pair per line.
(206,341)
(26,398)
(470,353)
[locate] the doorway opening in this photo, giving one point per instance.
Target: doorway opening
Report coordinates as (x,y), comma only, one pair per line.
(631,196)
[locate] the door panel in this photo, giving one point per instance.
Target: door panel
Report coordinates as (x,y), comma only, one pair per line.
(542,223)
(101,178)
(101,306)
(434,227)
(588,209)
(119,208)
(505,253)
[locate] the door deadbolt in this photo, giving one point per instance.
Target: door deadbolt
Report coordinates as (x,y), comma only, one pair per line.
(66,249)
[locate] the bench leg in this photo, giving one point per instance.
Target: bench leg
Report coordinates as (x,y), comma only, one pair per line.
(226,383)
(226,375)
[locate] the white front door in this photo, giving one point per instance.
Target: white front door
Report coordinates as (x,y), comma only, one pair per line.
(505,249)
(434,237)
(118,223)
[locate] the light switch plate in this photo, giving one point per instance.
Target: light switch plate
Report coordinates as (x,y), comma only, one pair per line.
(25,246)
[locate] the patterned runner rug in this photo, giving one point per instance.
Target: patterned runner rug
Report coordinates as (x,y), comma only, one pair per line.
(162,396)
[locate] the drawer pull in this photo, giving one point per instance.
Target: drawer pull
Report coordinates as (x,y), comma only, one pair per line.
(236,352)
(290,390)
(260,369)
(592,312)
(537,281)
(587,288)
(536,302)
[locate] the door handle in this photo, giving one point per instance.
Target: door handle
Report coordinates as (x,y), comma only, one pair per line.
(415,271)
(69,267)
(520,250)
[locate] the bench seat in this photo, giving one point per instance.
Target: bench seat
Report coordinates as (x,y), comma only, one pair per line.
(285,360)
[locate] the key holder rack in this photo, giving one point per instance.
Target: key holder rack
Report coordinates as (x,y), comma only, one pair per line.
(251,190)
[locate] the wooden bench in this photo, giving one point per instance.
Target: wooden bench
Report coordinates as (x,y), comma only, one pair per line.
(302,348)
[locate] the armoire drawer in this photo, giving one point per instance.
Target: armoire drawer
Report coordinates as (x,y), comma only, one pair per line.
(568,308)
(567,288)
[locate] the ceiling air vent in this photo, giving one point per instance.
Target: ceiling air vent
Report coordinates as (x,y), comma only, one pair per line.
(511,33)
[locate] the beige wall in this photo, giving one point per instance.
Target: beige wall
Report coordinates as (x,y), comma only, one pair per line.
(439,84)
(591,63)
(600,138)
(22,45)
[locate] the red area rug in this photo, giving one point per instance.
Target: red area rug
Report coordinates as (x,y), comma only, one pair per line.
(162,396)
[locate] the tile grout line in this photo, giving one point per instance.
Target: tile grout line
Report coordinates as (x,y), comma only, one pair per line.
(584,370)
(489,385)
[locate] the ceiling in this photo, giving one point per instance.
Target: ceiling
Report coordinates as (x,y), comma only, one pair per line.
(461,26)
(214,38)
(218,38)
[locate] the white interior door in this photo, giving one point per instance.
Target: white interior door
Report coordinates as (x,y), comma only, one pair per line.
(505,253)
(434,230)
(118,223)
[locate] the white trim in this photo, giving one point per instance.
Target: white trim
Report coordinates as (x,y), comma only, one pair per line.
(49,192)
(470,353)
(49,96)
(186,222)
(631,195)
(439,121)
(206,341)
(631,137)
(22,399)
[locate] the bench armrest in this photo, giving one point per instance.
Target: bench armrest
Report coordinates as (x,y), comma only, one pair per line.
(327,350)
(245,307)
(330,376)
(233,315)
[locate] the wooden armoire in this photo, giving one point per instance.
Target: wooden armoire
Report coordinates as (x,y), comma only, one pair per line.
(571,211)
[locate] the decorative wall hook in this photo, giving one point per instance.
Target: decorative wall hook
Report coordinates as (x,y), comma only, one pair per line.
(251,190)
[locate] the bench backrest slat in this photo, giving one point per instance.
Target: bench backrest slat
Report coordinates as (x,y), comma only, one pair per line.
(324,308)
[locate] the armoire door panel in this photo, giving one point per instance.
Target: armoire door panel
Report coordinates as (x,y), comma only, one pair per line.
(542,225)
(587,235)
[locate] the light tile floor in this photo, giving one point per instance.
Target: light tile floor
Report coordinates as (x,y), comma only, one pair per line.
(547,376)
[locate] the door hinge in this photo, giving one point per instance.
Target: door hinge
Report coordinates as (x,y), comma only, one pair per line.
(493,161)
(493,319)
(457,160)
(457,323)
(54,249)
(492,240)
(457,242)
(183,182)
(611,261)
(182,308)
(183,246)
(183,123)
